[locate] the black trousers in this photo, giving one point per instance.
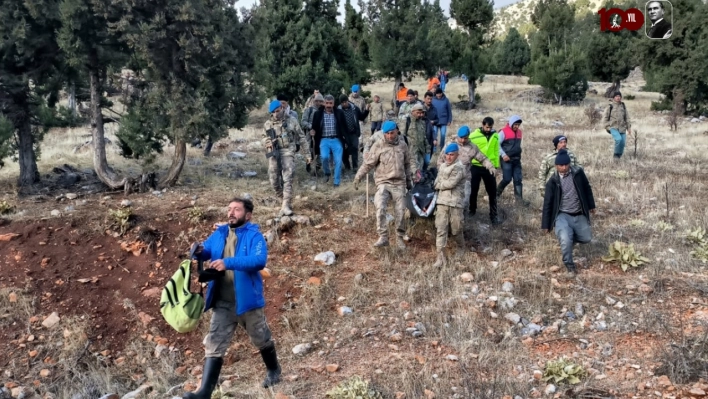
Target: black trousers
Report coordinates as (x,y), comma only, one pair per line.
(351,151)
(479,174)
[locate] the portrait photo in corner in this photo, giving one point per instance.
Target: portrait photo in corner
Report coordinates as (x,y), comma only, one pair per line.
(659,19)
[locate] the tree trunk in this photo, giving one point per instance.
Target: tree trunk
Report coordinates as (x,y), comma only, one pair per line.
(395,94)
(177,164)
(471,86)
(29,174)
(103,171)
(615,87)
(72,99)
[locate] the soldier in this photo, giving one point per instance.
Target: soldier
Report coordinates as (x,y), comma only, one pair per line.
(391,159)
(379,135)
(405,110)
(450,184)
(285,103)
(468,151)
(560,142)
(282,165)
(417,139)
(307,117)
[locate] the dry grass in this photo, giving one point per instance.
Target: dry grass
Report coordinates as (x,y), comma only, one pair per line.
(15,305)
(631,196)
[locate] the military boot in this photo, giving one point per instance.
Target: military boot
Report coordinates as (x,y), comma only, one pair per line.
(461,250)
(400,244)
(285,209)
(382,242)
(440,261)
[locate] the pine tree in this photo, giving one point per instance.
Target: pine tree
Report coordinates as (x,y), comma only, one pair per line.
(554,21)
(562,74)
(92,48)
(356,30)
(514,54)
(302,49)
(475,17)
(29,55)
(679,63)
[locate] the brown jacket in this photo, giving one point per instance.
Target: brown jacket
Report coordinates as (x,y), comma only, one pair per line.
(467,152)
(617,118)
(450,184)
(376,112)
(289,135)
(359,101)
(391,161)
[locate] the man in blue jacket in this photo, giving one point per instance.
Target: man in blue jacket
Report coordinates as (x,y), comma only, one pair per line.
(239,250)
(444,112)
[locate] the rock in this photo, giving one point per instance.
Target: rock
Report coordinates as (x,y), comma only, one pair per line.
(159,349)
(408,316)
(664,381)
(396,337)
(537,375)
(646,289)
(345,310)
(576,328)
(331,368)
(299,219)
(420,327)
(69,208)
(237,155)
(579,310)
(254,146)
(325,258)
(570,315)
(619,305)
(110,396)
(145,318)
(697,392)
(12,297)
(429,394)
(695,120)
(51,321)
(610,301)
(71,196)
(507,287)
(452,358)
(554,269)
(301,349)
(126,203)
(466,277)
(416,334)
(359,277)
(412,289)
(557,124)
(44,373)
(400,395)
(249,173)
(314,281)
(134,394)
(600,325)
(550,389)
(513,317)
(55,212)
(505,253)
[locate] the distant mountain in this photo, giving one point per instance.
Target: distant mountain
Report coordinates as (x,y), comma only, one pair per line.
(518,15)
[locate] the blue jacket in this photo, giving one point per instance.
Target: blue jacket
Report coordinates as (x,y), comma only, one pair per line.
(250,257)
(444,109)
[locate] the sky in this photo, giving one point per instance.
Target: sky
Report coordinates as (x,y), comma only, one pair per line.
(445,4)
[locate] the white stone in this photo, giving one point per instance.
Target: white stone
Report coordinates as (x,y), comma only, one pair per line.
(51,321)
(550,389)
(301,349)
(55,212)
(325,258)
(71,196)
(507,286)
(513,317)
(126,203)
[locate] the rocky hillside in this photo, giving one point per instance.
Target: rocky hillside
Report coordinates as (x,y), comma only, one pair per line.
(518,15)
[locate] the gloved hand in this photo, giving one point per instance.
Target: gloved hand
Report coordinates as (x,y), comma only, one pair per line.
(268,142)
(356,184)
(492,171)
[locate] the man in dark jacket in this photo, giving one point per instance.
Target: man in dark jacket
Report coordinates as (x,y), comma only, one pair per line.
(567,206)
(431,119)
(352,116)
(239,251)
(444,111)
(328,128)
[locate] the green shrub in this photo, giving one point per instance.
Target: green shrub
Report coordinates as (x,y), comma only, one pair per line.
(563,371)
(625,255)
(354,388)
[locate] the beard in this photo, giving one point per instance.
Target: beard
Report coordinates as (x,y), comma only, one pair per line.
(237,222)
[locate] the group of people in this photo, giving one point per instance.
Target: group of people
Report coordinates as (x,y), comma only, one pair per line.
(396,157)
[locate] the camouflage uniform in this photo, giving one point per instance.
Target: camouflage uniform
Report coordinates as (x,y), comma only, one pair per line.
(450,184)
(360,103)
(468,151)
(548,166)
(306,124)
(417,142)
(392,176)
(405,110)
(288,133)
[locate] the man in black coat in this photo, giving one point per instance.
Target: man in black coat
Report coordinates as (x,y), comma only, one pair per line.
(660,28)
(431,120)
(352,116)
(567,206)
(329,129)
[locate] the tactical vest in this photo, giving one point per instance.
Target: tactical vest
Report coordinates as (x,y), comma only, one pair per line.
(489,147)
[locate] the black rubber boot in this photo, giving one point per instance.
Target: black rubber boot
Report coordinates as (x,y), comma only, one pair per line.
(519,195)
(270,358)
(212,368)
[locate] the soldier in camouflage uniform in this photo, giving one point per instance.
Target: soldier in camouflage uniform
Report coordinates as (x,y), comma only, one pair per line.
(418,144)
(405,110)
(467,151)
(450,184)
(306,123)
(288,133)
(391,159)
(360,102)
(548,164)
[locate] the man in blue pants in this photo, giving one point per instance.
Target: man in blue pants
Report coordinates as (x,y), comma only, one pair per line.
(617,123)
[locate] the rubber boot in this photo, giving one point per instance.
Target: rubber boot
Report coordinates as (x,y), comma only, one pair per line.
(270,358)
(440,261)
(212,368)
(519,194)
(285,209)
(382,242)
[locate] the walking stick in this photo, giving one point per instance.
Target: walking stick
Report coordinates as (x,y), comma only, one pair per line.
(367,195)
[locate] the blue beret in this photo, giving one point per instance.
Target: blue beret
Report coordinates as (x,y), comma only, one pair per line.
(355,88)
(275,104)
(463,131)
(452,147)
(388,126)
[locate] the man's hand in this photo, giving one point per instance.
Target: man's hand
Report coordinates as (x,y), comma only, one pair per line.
(492,171)
(356,184)
(506,158)
(312,132)
(435,142)
(268,143)
(308,160)
(218,265)
(418,176)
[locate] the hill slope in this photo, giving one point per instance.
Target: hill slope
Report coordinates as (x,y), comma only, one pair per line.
(518,15)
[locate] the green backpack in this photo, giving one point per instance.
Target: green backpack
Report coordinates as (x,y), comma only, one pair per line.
(180,307)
